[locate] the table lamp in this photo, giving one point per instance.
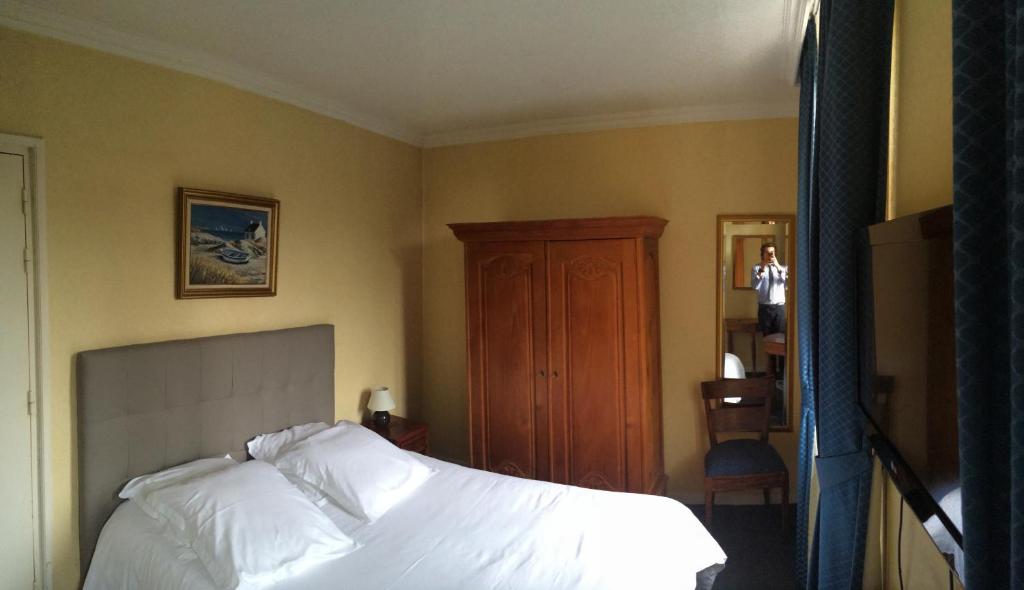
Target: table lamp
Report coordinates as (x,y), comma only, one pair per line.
(380,402)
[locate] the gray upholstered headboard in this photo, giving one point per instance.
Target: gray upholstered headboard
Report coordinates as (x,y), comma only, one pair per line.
(146,407)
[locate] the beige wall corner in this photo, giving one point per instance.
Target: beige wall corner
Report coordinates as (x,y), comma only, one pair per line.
(686,173)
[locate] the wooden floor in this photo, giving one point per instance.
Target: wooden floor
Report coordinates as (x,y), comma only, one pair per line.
(760,554)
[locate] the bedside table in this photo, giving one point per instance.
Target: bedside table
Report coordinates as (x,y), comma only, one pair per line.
(404,433)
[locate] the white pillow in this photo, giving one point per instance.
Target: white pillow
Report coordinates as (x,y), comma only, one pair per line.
(249,526)
(138,489)
(365,474)
(266,447)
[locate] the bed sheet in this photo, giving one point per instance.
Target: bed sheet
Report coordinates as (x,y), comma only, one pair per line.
(464,528)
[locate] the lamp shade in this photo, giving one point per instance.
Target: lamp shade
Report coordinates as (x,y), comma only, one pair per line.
(733,369)
(381,400)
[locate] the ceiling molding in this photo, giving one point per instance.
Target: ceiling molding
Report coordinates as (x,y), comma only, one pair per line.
(794,20)
(616,121)
(16,15)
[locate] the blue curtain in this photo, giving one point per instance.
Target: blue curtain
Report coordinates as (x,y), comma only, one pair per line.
(805,294)
(847,194)
(988,251)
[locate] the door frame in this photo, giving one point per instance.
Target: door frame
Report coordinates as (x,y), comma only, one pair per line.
(39,345)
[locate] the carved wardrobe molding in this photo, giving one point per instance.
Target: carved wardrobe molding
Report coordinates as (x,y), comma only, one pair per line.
(564,359)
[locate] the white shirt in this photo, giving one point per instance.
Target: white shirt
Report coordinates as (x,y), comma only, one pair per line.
(771,286)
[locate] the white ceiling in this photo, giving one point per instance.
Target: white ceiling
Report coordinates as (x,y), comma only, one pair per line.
(435,72)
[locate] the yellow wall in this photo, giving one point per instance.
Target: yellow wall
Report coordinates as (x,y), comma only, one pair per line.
(685,173)
(120,136)
(923,93)
(923,566)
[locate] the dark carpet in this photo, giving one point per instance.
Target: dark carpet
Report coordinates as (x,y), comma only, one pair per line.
(760,552)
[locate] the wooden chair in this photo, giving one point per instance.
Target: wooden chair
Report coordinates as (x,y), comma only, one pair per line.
(742,463)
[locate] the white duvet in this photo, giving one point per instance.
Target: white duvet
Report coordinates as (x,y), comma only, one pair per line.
(464,528)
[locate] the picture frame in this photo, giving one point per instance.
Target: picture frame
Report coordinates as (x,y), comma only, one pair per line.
(746,252)
(227,245)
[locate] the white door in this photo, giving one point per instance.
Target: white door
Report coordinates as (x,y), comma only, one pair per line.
(16,488)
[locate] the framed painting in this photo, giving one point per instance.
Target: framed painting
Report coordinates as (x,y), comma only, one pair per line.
(227,245)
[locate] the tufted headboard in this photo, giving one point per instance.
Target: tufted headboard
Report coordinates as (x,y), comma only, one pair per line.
(146,407)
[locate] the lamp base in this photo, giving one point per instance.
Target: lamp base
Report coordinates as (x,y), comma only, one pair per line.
(381,419)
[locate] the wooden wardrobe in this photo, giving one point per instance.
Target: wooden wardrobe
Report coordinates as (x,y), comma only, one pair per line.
(564,362)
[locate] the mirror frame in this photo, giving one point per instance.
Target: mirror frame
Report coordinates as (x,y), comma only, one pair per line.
(720,277)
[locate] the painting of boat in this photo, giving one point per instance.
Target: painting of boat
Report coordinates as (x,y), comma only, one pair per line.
(227,245)
(234,256)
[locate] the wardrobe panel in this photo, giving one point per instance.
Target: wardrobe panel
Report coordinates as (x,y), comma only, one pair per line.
(653,476)
(507,353)
(594,326)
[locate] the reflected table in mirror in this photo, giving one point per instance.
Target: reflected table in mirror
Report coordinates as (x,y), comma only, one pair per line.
(774,346)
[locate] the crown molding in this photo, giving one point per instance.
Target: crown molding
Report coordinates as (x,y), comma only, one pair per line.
(48,23)
(651,118)
(15,14)
(794,18)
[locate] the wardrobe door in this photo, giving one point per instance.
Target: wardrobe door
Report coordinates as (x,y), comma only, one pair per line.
(506,325)
(595,329)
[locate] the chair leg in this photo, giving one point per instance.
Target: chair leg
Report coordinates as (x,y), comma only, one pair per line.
(709,499)
(785,505)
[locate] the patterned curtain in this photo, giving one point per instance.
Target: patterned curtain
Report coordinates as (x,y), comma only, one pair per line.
(851,138)
(805,293)
(988,258)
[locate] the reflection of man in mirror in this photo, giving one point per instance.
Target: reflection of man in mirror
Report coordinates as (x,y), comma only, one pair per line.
(769,280)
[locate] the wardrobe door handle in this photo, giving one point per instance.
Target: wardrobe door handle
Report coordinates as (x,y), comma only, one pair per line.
(555,374)
(542,372)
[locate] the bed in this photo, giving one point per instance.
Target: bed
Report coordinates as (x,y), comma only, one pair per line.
(148,407)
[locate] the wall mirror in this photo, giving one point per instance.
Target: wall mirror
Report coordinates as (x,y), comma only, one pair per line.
(756,288)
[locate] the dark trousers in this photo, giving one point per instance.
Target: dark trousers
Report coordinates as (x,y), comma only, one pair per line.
(771,319)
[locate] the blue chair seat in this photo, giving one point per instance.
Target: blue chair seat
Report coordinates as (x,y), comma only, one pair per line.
(742,457)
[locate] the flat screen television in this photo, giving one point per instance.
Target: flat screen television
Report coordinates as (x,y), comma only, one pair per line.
(908,383)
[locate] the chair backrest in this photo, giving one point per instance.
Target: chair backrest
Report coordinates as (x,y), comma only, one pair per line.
(749,416)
